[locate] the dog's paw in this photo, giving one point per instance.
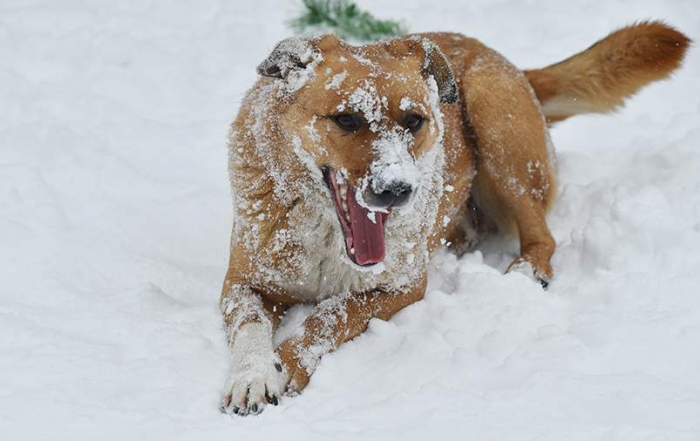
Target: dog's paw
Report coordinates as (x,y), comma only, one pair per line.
(248,393)
(523,266)
(296,372)
(256,377)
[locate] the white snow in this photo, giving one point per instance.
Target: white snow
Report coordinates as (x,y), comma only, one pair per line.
(406,103)
(393,161)
(115,219)
(366,100)
(337,80)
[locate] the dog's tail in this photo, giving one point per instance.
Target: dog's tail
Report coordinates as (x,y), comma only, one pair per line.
(599,79)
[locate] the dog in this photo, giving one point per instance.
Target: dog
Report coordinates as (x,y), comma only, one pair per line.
(350,165)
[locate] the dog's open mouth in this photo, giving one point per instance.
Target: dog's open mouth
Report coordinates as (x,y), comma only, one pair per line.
(363,229)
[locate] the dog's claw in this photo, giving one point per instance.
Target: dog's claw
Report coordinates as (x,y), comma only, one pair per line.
(225,403)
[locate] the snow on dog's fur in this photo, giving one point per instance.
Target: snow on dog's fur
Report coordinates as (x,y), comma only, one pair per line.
(350,165)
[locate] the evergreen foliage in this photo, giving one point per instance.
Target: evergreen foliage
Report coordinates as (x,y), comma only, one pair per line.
(346,20)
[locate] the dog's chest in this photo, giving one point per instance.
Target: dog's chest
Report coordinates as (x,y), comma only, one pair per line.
(319,267)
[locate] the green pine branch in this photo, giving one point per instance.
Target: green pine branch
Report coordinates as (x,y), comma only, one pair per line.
(346,20)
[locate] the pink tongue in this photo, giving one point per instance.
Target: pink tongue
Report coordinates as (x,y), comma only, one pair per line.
(367,236)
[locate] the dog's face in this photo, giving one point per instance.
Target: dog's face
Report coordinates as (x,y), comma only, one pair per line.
(364,117)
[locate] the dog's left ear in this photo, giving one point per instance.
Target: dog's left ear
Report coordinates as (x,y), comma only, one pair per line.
(294,53)
(435,64)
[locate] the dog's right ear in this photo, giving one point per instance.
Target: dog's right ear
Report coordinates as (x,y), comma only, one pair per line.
(294,53)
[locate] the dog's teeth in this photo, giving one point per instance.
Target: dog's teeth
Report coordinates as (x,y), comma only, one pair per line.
(345,206)
(352,250)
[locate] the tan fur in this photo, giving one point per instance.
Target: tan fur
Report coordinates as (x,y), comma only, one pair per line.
(601,77)
(498,167)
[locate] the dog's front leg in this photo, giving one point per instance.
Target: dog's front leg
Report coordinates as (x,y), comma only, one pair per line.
(255,377)
(334,321)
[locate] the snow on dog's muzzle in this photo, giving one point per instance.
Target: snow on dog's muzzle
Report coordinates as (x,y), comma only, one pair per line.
(393,174)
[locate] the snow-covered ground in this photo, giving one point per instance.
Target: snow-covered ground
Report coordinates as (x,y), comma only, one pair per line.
(115,216)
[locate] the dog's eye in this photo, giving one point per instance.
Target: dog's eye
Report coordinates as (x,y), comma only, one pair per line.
(414,122)
(347,122)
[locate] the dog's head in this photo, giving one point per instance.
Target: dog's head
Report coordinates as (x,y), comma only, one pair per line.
(364,117)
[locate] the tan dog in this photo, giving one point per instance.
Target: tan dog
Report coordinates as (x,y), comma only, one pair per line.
(351,165)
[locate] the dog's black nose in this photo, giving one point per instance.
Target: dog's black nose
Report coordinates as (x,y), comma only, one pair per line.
(395,194)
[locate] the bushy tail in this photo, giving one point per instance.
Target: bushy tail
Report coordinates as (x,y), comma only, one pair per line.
(598,79)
